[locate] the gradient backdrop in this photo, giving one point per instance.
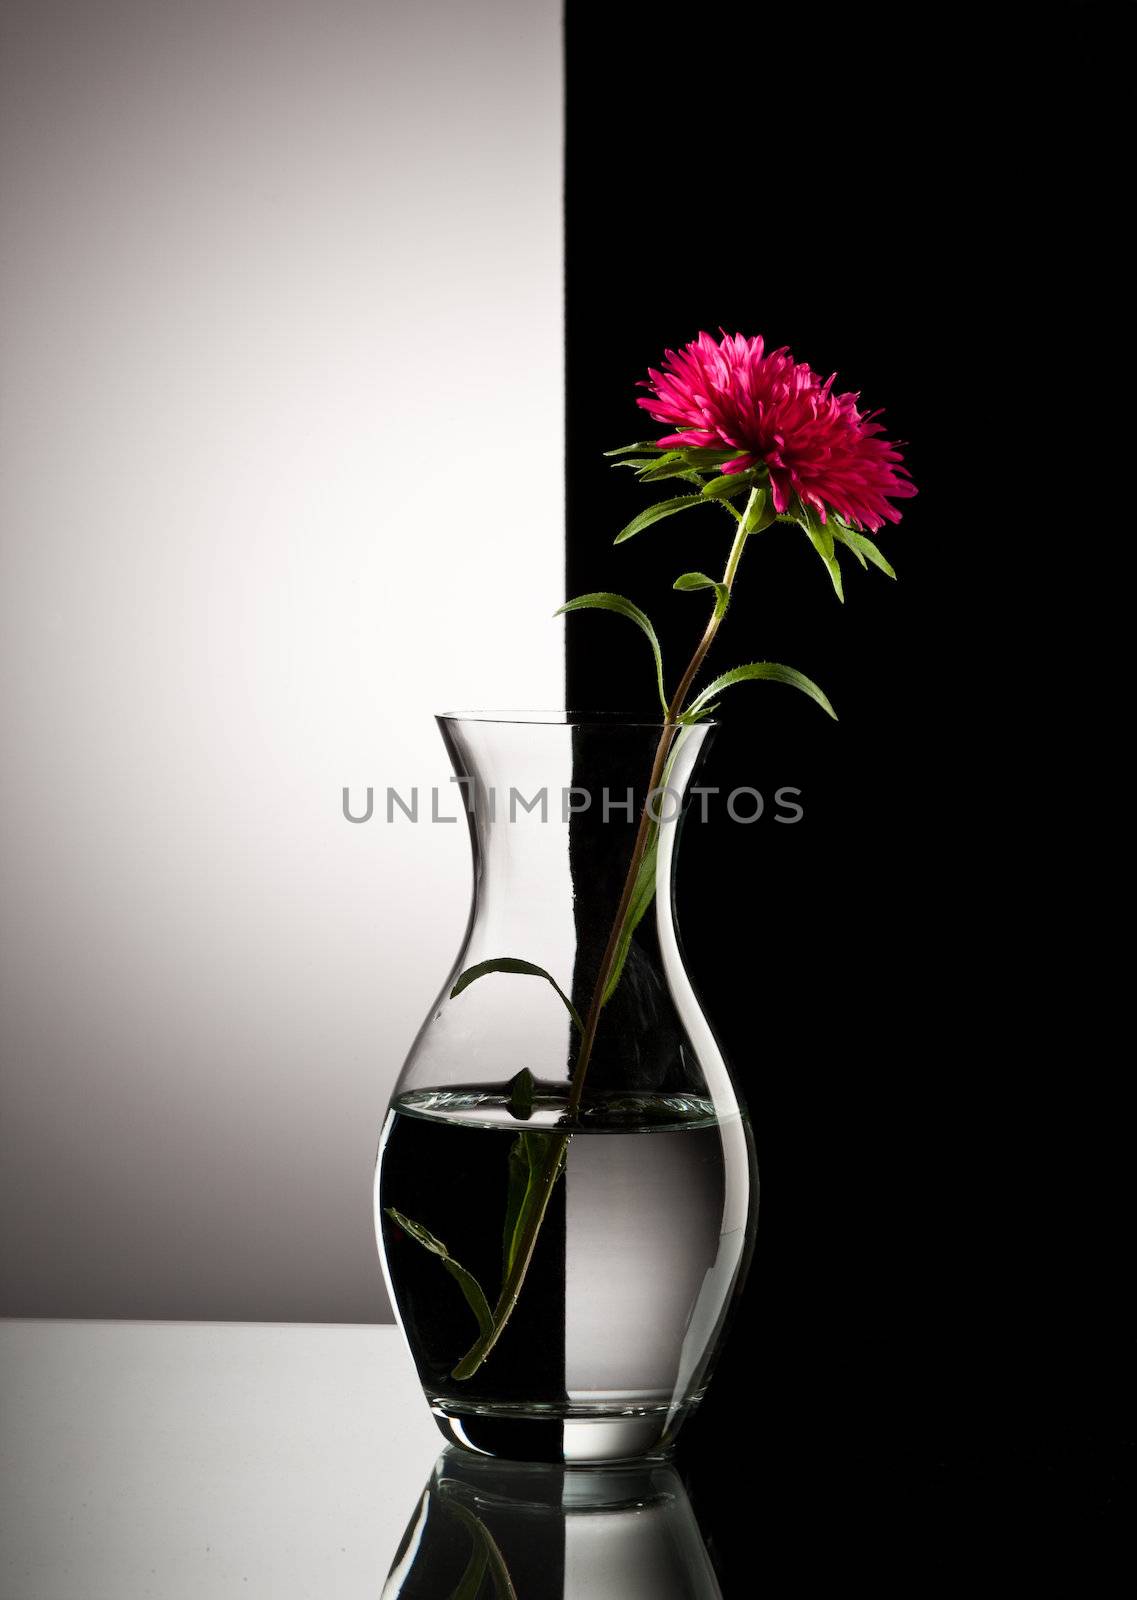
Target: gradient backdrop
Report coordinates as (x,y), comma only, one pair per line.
(282,299)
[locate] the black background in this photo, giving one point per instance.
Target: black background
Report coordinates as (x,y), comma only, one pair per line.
(928,1351)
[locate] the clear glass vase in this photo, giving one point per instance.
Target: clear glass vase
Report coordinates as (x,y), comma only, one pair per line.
(562,1247)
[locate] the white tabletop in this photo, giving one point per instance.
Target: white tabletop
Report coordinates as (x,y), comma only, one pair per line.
(171,1459)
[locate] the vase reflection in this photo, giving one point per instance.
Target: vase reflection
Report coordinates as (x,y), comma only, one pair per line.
(499,1530)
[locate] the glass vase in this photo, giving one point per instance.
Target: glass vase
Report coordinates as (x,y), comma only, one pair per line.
(562,1238)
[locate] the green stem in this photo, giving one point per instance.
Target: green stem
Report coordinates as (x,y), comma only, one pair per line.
(592,1018)
(511,1288)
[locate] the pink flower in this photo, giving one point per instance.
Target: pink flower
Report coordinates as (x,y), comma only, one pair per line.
(776,410)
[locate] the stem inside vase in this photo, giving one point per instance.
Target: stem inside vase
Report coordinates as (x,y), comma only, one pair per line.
(555,1158)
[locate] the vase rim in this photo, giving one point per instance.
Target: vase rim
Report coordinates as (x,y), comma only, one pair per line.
(559,717)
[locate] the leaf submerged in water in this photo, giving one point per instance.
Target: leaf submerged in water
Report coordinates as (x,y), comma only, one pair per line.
(525,1162)
(469,1285)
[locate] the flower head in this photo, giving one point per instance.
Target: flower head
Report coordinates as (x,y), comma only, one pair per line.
(775,410)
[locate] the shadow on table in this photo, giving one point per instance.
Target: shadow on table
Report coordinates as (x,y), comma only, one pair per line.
(492,1530)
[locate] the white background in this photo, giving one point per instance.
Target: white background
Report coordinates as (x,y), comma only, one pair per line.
(282,459)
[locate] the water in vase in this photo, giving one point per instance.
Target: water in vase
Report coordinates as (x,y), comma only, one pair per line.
(630,1274)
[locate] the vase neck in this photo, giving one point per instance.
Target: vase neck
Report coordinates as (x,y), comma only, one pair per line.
(553,809)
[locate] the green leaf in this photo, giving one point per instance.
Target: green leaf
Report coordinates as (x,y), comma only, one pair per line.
(699,580)
(689,718)
(519,1171)
(821,538)
(760,515)
(656,513)
(862,547)
(643,890)
(820,533)
(839,535)
(668,465)
(641,444)
(761,669)
(525,969)
(469,1285)
(527,1156)
(728,484)
(702,458)
(544,1155)
(623,608)
(832,565)
(642,895)
(675,468)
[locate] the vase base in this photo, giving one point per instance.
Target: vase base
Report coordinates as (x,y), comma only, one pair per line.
(563,1436)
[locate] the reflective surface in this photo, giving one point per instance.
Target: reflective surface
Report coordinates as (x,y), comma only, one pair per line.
(495,1530)
(164,1461)
(205,1461)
